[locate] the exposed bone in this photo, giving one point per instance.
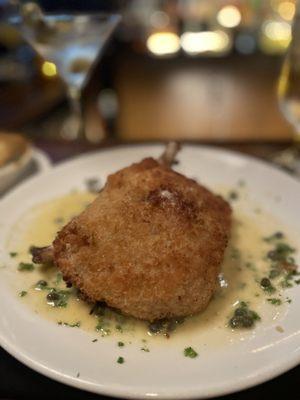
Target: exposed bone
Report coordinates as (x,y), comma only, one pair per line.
(168,156)
(42,255)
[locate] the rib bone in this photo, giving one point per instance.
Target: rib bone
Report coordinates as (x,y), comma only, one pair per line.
(42,255)
(169,154)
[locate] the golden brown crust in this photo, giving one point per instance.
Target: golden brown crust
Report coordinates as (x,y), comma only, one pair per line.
(150,245)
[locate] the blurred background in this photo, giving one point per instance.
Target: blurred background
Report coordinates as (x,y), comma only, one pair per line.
(203,70)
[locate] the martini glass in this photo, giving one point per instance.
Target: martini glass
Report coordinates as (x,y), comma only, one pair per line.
(73,42)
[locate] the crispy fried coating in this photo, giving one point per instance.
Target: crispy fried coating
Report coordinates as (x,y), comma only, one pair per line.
(150,245)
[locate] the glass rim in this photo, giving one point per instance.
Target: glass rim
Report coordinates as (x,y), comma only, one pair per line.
(116,17)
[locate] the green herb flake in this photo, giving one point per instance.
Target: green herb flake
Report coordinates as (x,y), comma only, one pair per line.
(145,349)
(41,285)
(250,266)
(13,254)
(275,302)
(75,325)
(121,344)
(95,340)
(233,195)
(101,328)
(23,293)
(281,252)
(59,278)
(119,328)
(59,220)
(235,253)
(25,266)
(120,360)
(275,236)
(274,273)
(58,298)
(243,317)
(287,282)
(190,352)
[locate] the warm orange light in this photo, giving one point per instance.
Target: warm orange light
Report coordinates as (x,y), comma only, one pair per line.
(286,10)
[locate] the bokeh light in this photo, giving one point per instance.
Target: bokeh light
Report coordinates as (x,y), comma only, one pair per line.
(286,10)
(49,69)
(229,16)
(277,30)
(163,43)
(195,43)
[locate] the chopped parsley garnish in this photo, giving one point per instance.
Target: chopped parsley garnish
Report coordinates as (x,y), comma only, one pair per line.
(190,352)
(235,253)
(274,273)
(274,237)
(41,285)
(58,220)
(164,326)
(75,325)
(104,330)
(13,254)
(25,266)
(23,293)
(121,344)
(58,298)
(250,266)
(282,253)
(243,317)
(287,281)
(119,328)
(233,195)
(59,278)
(95,340)
(275,302)
(288,300)
(120,360)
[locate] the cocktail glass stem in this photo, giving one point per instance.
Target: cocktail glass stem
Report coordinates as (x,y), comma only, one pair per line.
(73,127)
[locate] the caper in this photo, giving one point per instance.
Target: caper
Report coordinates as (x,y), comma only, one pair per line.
(265,282)
(240,312)
(42,283)
(52,296)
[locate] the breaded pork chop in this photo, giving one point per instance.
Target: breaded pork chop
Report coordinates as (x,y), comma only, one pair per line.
(150,245)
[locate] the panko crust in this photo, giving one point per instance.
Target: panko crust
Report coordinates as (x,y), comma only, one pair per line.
(151,244)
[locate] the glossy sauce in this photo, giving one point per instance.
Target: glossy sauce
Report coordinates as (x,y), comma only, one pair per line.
(243,267)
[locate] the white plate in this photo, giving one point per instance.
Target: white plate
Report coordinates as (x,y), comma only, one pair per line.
(164,372)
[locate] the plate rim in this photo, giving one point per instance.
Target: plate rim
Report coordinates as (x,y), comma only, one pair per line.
(129,391)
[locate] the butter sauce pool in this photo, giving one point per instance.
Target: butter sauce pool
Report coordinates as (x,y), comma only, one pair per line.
(243,268)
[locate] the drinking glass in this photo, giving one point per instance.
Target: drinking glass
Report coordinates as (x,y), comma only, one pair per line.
(288,92)
(73,42)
